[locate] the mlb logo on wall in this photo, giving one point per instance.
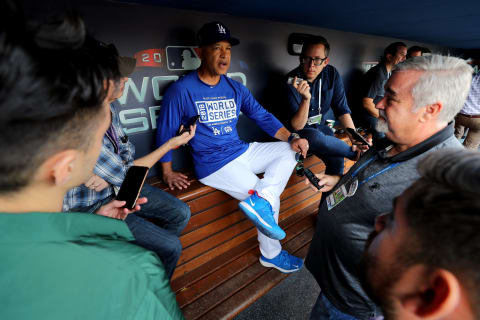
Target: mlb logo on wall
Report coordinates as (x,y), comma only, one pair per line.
(182,58)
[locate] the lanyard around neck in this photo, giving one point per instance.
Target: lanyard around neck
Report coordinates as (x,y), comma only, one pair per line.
(112,136)
(363,165)
(320,96)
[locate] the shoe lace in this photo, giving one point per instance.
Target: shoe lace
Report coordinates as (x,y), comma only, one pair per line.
(284,258)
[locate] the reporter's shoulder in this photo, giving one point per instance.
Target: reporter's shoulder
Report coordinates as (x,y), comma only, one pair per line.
(136,267)
(141,276)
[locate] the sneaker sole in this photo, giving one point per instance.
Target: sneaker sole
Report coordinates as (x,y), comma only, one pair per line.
(271,265)
(259,222)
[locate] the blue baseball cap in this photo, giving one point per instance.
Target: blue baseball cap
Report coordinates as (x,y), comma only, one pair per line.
(215,32)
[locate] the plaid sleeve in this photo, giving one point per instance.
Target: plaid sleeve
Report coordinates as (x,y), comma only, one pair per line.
(127,151)
(110,166)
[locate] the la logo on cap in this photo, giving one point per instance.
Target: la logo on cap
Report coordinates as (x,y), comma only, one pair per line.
(214,32)
(221,29)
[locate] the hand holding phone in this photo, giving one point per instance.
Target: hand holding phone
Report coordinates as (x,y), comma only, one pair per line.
(302,172)
(132,185)
(193,120)
(290,80)
(116,209)
(313,179)
(358,137)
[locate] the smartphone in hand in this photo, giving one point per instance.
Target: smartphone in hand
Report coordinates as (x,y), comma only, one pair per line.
(190,122)
(290,80)
(357,136)
(132,185)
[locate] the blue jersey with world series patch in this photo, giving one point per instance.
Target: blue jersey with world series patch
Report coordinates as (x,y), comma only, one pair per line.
(216,140)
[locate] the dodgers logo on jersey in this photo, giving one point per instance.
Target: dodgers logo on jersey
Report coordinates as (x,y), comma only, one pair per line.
(215,111)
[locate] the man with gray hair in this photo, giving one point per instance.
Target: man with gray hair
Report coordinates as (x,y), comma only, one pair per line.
(421,98)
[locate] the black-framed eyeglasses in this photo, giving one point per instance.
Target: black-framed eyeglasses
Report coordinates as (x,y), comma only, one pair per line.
(316,61)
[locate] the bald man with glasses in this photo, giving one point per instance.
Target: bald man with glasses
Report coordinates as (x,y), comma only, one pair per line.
(314,89)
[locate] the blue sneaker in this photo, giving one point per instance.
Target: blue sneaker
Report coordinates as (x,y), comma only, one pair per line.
(260,212)
(284,262)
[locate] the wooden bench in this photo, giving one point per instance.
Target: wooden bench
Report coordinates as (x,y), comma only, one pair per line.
(218,274)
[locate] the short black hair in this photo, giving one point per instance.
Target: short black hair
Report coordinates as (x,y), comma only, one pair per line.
(417,48)
(443,218)
(392,49)
(106,56)
(52,91)
(314,40)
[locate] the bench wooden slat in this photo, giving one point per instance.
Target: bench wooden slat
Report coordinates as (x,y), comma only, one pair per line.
(224,215)
(204,270)
(213,229)
(228,245)
(237,215)
(226,238)
(214,241)
(194,290)
(196,188)
(243,298)
(200,220)
(200,306)
(207,201)
(203,257)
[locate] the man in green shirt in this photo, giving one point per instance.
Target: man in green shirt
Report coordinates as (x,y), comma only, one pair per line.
(56,265)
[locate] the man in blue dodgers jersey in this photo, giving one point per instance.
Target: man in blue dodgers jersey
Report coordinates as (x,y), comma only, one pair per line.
(221,159)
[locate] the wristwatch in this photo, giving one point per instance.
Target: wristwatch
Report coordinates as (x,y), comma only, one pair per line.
(293,136)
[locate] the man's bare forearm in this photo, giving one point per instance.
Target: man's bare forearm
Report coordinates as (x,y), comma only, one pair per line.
(300,118)
(282,134)
(370,107)
(346,121)
(150,159)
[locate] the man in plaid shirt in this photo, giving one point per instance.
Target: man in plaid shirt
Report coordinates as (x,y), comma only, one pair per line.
(116,156)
